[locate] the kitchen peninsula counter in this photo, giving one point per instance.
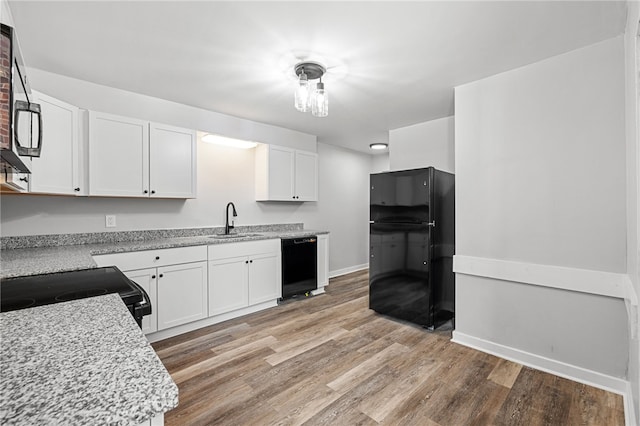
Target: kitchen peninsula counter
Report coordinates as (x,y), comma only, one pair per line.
(80,362)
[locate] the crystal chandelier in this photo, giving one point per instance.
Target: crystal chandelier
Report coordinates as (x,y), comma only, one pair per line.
(308,97)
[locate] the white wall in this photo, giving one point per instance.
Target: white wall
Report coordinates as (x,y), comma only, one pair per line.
(344,206)
(380,163)
(423,145)
(632,56)
(224,174)
(540,181)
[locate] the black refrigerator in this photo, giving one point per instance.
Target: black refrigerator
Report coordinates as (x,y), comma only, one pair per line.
(412,242)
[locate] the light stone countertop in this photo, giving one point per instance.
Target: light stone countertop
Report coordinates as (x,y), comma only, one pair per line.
(45,260)
(83,362)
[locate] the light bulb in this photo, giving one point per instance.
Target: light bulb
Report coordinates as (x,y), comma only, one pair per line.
(320,101)
(301,95)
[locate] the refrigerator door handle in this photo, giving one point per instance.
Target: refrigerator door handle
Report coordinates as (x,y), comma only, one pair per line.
(432,223)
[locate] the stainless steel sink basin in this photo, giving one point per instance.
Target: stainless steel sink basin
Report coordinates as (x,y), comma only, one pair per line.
(228,236)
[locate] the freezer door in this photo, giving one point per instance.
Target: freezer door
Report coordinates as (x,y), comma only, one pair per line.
(400,196)
(399,262)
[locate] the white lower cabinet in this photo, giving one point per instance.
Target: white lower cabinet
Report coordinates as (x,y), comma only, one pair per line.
(323,261)
(192,287)
(263,278)
(175,280)
(228,285)
(243,274)
(181,294)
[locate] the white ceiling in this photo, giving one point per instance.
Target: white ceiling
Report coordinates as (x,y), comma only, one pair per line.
(402,59)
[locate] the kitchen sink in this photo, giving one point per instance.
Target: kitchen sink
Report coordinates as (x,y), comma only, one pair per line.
(227,236)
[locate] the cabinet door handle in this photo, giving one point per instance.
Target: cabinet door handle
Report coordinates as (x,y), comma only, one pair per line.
(145,192)
(251,261)
(157,257)
(161,275)
(24,179)
(153,192)
(153,277)
(246,261)
(76,189)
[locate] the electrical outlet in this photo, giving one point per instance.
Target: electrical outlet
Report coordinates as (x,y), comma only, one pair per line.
(110,221)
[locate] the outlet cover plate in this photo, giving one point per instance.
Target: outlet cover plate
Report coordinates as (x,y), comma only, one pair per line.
(110,221)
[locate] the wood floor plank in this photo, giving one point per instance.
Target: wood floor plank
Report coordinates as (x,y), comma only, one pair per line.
(297,408)
(291,349)
(505,373)
(344,410)
(216,360)
(185,345)
(329,360)
(378,406)
(366,369)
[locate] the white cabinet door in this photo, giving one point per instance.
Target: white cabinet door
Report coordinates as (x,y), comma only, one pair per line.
(275,173)
(181,294)
(58,170)
(172,162)
(228,285)
(281,173)
(118,155)
(147,278)
(263,278)
(323,260)
(306,181)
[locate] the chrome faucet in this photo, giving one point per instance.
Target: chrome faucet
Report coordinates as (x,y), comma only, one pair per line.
(228,227)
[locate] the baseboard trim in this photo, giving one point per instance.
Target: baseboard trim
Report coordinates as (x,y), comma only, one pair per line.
(602,283)
(350,269)
(558,368)
(630,414)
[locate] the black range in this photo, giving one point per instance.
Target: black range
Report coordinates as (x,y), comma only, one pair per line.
(37,290)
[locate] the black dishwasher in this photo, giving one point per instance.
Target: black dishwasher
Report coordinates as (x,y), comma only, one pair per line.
(299,266)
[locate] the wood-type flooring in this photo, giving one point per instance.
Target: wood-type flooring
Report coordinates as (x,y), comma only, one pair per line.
(329,360)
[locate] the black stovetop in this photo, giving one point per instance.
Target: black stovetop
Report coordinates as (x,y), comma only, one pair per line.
(37,290)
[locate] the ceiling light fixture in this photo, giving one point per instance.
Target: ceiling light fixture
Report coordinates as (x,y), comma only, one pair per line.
(225,141)
(378,145)
(307,97)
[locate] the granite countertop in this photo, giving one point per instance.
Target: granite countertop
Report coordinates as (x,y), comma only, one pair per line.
(78,363)
(44,260)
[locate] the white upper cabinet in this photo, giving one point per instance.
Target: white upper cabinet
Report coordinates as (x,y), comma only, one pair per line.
(285,174)
(172,162)
(278,164)
(60,167)
(118,155)
(306,187)
(135,158)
